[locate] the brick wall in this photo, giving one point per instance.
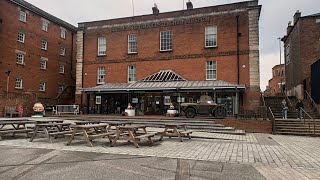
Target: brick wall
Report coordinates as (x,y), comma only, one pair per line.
(255,126)
(31,73)
(26,100)
(276,80)
(189,54)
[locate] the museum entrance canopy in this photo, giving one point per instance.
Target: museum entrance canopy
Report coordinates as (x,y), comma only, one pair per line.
(166,80)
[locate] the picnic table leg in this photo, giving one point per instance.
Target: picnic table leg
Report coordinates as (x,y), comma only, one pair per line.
(185,129)
(47,134)
(85,134)
(116,138)
(163,133)
(34,133)
(133,139)
(178,134)
(72,136)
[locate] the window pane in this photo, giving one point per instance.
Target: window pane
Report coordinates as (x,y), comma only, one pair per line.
(165,40)
(211,36)
(102,46)
(211,70)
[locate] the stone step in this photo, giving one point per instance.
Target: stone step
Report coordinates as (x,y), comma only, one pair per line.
(298,133)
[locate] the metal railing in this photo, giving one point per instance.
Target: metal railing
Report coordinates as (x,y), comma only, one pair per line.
(313,104)
(310,119)
(272,118)
(60,109)
(263,100)
(289,102)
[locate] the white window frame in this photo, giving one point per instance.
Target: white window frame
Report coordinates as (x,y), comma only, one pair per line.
(63,33)
(62,51)
(21,37)
(166,40)
(23,16)
(18,83)
(101,75)
(61,68)
(42,86)
(102,46)
(45,25)
(44,45)
(211,70)
(208,35)
(132,73)
(132,43)
(20,58)
(43,63)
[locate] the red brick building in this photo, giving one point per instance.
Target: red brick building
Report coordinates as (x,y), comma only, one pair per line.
(277,81)
(152,60)
(36,53)
(302,49)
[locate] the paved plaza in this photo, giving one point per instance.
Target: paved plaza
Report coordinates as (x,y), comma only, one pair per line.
(264,156)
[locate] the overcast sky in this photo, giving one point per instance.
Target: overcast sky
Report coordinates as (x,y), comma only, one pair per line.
(274,18)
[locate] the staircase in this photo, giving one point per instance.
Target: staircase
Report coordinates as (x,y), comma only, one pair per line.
(275,103)
(292,125)
(297,127)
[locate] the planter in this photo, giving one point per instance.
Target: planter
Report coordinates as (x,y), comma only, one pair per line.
(130,112)
(173,112)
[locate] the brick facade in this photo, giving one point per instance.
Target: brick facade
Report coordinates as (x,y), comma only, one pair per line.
(188,56)
(278,77)
(30,71)
(302,48)
(253,126)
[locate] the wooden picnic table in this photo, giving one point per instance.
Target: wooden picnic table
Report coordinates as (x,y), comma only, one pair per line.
(90,132)
(14,127)
(117,123)
(51,129)
(44,121)
(172,130)
(130,133)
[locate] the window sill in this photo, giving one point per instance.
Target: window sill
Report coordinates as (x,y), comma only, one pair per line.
(61,73)
(101,55)
(170,50)
(43,69)
(211,79)
(17,88)
(101,83)
(44,49)
(210,47)
(132,53)
(21,42)
(23,64)
(42,91)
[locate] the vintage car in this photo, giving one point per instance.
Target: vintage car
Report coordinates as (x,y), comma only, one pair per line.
(205,106)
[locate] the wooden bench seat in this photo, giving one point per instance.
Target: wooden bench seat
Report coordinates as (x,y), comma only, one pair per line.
(94,136)
(148,135)
(16,131)
(185,132)
(60,133)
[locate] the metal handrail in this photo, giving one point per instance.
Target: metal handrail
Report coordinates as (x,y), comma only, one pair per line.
(273,120)
(264,102)
(314,121)
(314,104)
(290,104)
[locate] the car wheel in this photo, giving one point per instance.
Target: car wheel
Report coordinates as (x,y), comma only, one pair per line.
(220,112)
(190,113)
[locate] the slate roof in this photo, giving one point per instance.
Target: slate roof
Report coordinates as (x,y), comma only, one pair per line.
(172,85)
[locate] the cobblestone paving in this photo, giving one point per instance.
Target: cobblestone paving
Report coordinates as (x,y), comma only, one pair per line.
(274,156)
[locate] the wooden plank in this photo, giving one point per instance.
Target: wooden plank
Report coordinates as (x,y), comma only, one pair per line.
(183,170)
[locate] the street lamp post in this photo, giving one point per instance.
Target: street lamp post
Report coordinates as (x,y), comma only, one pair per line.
(280,67)
(8,76)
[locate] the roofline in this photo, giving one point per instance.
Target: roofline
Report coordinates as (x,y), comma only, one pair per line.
(285,37)
(44,14)
(255,4)
(157,89)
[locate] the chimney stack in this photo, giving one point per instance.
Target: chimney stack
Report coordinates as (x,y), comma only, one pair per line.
(189,5)
(289,28)
(296,16)
(155,9)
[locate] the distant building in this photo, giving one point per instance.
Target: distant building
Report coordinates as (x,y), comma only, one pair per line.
(277,82)
(153,60)
(36,51)
(302,49)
